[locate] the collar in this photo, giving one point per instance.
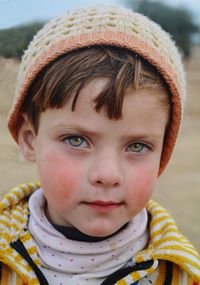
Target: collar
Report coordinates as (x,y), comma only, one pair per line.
(91,260)
(166,242)
(76,235)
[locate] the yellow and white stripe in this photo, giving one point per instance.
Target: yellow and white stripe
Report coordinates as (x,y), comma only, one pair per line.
(166,244)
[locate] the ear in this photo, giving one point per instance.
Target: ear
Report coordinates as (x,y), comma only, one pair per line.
(26,139)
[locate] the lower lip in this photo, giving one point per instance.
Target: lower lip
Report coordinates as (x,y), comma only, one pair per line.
(103,208)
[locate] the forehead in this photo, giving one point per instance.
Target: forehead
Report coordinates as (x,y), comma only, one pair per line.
(144,97)
(141,111)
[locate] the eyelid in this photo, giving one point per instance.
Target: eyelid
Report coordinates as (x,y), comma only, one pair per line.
(67,137)
(143,144)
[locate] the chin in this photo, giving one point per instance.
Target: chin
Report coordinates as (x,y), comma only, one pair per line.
(100,232)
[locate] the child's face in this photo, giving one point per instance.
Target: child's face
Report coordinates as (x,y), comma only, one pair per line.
(98,173)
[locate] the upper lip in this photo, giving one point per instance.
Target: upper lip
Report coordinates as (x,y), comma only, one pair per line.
(103,203)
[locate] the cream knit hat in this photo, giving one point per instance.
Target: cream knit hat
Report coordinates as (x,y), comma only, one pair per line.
(114,26)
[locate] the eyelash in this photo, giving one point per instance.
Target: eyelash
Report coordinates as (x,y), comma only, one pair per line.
(78,145)
(142,147)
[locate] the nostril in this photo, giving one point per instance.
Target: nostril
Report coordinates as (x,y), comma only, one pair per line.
(107,182)
(106,174)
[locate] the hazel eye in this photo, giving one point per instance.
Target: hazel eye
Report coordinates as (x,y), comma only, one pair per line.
(76,141)
(137,147)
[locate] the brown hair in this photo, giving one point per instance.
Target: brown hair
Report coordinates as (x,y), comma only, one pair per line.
(68,74)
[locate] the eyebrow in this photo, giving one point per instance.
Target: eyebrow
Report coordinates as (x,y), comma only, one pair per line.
(88,132)
(72,128)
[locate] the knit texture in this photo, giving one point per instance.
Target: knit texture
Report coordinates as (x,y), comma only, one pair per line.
(115,26)
(166,242)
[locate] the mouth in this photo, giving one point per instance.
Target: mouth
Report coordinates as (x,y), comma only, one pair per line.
(103,206)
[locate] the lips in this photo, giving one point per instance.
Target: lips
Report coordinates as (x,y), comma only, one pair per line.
(103,206)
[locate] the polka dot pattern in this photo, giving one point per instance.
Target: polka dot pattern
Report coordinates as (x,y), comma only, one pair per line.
(64,259)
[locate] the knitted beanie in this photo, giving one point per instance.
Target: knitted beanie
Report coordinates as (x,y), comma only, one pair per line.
(113,26)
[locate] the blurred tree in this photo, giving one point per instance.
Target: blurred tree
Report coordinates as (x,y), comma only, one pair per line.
(177,21)
(15,40)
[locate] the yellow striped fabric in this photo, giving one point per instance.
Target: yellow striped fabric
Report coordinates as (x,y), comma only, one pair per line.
(166,244)
(9,277)
(13,224)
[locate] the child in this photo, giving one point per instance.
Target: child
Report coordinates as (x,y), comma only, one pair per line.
(98,107)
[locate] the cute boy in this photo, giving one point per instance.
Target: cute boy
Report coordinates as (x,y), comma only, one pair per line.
(98,107)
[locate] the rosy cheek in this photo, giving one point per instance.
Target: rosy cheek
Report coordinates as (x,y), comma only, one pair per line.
(58,176)
(143,186)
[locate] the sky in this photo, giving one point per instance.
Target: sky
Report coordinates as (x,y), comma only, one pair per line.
(17,12)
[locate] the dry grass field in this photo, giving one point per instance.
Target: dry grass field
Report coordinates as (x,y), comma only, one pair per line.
(179,187)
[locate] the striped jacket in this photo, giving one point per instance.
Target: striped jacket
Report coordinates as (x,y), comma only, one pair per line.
(169,258)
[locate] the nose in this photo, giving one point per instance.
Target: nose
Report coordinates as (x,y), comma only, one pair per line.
(106,171)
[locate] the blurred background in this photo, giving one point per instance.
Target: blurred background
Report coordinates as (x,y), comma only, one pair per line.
(178,189)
